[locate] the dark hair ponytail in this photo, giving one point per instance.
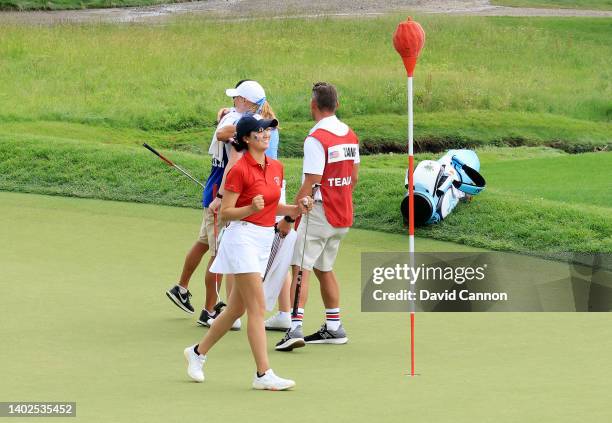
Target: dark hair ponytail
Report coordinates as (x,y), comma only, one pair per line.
(239,145)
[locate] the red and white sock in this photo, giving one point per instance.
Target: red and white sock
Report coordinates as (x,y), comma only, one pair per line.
(297,320)
(332,318)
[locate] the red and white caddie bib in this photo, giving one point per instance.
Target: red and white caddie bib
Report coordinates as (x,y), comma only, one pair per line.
(336,181)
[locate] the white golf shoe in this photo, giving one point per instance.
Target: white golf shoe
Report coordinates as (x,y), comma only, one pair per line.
(278,322)
(195,364)
(271,382)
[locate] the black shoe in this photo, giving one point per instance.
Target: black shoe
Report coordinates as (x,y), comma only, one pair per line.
(181,300)
(326,336)
(292,339)
(219,307)
(205,318)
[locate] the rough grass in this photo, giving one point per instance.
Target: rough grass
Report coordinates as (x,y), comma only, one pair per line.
(77,101)
(378,133)
(562,4)
(504,81)
(539,200)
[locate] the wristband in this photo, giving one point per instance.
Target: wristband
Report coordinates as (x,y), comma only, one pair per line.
(289,219)
(220,196)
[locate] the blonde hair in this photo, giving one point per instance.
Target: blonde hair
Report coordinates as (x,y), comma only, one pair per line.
(267,112)
(252,107)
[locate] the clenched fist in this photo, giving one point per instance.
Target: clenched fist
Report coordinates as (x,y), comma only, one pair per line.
(258,203)
(306,204)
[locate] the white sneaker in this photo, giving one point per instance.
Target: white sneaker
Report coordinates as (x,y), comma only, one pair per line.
(272,382)
(277,322)
(195,364)
(235,326)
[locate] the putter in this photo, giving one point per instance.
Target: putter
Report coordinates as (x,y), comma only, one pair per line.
(171,164)
(298,282)
(220,304)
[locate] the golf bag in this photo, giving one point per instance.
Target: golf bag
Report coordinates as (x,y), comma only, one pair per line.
(440,185)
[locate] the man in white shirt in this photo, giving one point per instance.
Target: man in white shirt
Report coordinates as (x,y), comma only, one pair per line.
(331,162)
(247,96)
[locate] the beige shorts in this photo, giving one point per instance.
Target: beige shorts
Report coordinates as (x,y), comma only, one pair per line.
(322,241)
(207,231)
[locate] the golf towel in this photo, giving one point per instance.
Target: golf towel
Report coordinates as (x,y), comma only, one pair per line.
(278,266)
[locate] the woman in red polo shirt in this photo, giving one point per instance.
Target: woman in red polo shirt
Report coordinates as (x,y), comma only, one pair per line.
(251,203)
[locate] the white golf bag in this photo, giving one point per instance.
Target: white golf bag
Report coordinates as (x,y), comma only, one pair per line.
(440,185)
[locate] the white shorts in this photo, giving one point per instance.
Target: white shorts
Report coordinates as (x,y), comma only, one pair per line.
(244,248)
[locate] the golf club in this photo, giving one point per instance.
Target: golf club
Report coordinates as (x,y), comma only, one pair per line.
(298,282)
(170,163)
(278,240)
(220,304)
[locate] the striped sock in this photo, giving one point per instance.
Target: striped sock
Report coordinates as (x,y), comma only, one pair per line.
(332,318)
(297,320)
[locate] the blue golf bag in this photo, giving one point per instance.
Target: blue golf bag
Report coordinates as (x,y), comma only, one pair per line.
(440,185)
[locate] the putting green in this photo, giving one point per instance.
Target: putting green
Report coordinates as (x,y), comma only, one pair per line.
(84,318)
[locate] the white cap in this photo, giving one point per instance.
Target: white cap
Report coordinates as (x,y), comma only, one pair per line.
(250,90)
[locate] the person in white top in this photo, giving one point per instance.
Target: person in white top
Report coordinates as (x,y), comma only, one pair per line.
(331,161)
(248,97)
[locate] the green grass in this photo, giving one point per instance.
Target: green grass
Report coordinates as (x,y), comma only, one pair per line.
(74,4)
(480,80)
(73,337)
(379,133)
(562,4)
(533,203)
(77,102)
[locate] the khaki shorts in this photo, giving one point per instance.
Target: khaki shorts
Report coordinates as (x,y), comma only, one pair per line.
(207,231)
(322,242)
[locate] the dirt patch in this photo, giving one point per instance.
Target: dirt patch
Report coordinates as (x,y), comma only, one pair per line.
(282,9)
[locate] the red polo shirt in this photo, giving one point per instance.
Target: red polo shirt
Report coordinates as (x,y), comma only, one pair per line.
(248,178)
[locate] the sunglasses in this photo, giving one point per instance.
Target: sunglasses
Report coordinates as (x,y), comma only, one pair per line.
(261,130)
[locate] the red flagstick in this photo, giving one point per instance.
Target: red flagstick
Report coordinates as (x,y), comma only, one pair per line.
(408,41)
(412,344)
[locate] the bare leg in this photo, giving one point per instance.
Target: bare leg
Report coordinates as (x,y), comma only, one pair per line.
(303,289)
(192,260)
(223,323)
(284,298)
(330,291)
(211,289)
(229,283)
(250,288)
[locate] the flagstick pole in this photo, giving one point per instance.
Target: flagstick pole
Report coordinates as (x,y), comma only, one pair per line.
(411,214)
